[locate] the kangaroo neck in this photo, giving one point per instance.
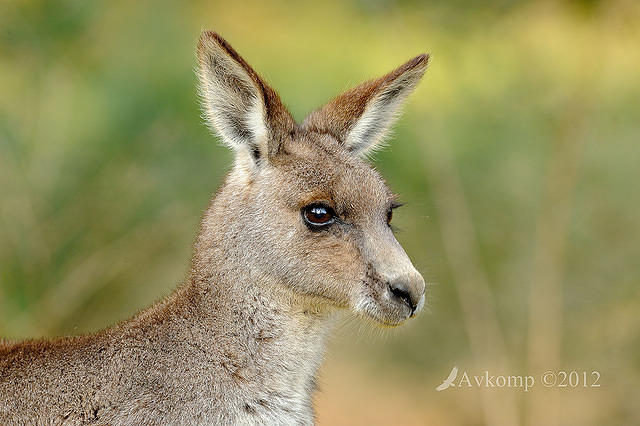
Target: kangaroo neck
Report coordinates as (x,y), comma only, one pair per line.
(267,347)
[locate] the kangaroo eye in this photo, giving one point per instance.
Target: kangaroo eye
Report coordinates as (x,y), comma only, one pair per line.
(394,205)
(318,215)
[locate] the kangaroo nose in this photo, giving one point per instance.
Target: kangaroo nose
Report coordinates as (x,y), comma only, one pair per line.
(409,291)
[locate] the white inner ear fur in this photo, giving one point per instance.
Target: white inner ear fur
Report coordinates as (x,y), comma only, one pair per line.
(369,131)
(246,160)
(234,108)
(256,120)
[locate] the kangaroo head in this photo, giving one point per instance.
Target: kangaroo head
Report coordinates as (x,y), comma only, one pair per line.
(303,208)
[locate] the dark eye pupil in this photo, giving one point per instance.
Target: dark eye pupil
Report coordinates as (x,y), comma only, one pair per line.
(389,216)
(318,214)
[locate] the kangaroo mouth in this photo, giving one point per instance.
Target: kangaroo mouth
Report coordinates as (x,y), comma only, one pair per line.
(390,308)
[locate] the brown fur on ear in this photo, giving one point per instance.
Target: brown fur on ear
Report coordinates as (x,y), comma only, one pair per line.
(361,116)
(229,87)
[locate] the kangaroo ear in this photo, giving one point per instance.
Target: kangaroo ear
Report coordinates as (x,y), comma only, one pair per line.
(238,104)
(360,117)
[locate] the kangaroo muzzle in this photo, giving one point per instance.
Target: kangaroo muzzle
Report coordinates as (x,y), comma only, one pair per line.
(408,289)
(404,287)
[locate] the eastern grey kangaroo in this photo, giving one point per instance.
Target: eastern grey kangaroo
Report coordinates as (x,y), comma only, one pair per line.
(298,232)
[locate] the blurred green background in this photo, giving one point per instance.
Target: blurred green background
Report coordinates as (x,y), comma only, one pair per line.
(518,157)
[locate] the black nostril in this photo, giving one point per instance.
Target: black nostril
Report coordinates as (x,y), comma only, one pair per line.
(403,295)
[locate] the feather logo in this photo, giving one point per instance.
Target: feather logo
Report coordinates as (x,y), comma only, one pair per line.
(448,382)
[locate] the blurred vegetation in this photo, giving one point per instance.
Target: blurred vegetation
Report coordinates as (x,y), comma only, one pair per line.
(518,157)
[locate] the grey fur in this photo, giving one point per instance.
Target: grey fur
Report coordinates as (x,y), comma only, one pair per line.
(241,341)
